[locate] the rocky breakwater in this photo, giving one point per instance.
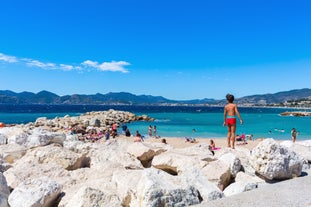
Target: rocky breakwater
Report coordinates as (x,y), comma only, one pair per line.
(100,119)
(296,113)
(41,167)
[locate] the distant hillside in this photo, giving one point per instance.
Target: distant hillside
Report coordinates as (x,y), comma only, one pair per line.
(46,97)
(124,98)
(276,98)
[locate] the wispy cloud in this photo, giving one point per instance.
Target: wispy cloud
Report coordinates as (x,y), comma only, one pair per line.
(113,66)
(8,58)
(39,64)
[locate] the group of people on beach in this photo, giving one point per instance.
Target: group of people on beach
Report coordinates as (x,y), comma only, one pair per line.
(91,134)
(152,131)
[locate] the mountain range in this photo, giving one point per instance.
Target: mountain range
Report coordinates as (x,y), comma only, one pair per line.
(124,98)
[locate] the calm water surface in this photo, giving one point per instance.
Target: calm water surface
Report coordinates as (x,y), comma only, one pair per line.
(177,121)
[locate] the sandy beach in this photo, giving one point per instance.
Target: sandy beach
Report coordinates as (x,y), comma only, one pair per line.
(180,142)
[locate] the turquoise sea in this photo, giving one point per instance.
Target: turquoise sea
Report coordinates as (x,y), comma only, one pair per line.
(178,121)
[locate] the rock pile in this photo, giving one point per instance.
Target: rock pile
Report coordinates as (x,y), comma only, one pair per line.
(296,113)
(41,166)
(101,119)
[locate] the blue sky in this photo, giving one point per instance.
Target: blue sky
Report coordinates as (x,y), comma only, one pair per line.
(176,49)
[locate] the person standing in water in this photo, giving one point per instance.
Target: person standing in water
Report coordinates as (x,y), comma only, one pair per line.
(230,113)
(294,134)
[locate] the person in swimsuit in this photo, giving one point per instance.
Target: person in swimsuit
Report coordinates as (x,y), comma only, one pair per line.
(294,134)
(230,113)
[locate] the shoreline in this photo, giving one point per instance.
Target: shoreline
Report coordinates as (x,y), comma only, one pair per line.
(180,142)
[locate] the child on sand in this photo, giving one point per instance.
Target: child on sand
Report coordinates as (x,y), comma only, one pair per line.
(212,144)
(230,113)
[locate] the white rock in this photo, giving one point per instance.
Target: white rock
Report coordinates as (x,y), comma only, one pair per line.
(67,159)
(157,188)
(35,192)
(243,182)
(200,151)
(78,146)
(208,190)
(11,131)
(28,170)
(303,149)
(239,187)
(4,191)
(174,163)
(12,152)
(87,196)
(218,172)
(3,139)
(243,177)
(233,162)
(113,154)
(274,161)
(144,152)
(126,183)
(37,137)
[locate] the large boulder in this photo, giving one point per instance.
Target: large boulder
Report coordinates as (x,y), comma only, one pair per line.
(87,196)
(243,154)
(157,188)
(195,177)
(275,162)
(12,152)
(11,131)
(126,183)
(243,182)
(23,170)
(218,172)
(4,191)
(78,146)
(174,163)
(3,139)
(86,177)
(67,159)
(112,155)
(36,192)
(303,148)
(200,151)
(37,137)
(145,151)
(233,162)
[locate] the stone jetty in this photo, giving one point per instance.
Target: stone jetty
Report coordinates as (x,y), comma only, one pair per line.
(45,164)
(296,113)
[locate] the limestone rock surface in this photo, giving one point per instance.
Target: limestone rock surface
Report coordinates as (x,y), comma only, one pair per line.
(275,162)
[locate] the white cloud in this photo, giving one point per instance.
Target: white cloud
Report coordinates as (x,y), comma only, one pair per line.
(114,66)
(67,67)
(8,58)
(90,63)
(39,64)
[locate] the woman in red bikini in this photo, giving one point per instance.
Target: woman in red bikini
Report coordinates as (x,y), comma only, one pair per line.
(230,113)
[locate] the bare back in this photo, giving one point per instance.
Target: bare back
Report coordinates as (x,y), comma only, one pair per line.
(231,109)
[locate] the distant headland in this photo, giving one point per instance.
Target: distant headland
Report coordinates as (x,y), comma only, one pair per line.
(300,98)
